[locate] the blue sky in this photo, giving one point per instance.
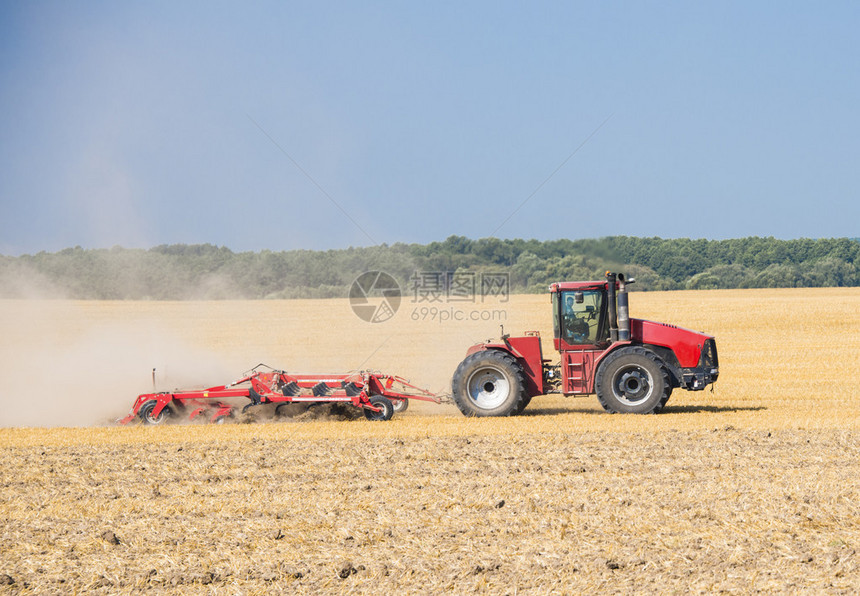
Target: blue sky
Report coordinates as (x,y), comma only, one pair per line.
(322,125)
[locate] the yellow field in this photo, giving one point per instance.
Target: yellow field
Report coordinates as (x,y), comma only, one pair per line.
(751,487)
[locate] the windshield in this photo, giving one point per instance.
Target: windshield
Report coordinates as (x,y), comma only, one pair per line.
(580,316)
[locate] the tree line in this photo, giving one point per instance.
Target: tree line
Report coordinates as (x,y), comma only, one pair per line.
(205,271)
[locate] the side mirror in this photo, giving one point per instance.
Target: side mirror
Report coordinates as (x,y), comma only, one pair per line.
(579,297)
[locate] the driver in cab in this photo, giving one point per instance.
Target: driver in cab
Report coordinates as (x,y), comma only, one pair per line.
(576,329)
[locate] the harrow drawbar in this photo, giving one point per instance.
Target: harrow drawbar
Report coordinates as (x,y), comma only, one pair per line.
(378,395)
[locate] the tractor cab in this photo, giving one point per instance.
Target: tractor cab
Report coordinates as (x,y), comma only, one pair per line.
(579,315)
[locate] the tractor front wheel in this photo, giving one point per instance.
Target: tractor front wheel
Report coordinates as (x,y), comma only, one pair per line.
(489,383)
(146,409)
(633,380)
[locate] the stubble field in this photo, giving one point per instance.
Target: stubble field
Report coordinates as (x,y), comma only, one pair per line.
(753,487)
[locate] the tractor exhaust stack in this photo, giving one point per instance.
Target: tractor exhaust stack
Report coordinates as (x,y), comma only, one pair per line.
(623,314)
(613,316)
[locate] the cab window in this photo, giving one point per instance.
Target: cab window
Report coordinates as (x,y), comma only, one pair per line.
(580,316)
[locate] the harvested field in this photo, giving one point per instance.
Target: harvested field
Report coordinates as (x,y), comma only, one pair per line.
(751,488)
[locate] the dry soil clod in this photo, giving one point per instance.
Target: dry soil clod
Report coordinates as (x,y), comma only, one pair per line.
(347,569)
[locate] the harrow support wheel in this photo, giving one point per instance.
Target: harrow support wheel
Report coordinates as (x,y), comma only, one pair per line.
(633,380)
(400,405)
(386,409)
(145,413)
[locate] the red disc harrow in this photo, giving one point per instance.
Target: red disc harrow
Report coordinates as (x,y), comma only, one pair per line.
(379,395)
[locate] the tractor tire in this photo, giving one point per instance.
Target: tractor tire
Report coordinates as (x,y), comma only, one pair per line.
(633,380)
(145,413)
(526,400)
(400,405)
(489,383)
(380,401)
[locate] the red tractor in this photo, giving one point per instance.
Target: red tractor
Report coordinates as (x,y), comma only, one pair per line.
(631,364)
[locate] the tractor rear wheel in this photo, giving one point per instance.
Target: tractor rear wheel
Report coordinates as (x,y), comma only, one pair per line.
(489,383)
(633,380)
(145,413)
(386,409)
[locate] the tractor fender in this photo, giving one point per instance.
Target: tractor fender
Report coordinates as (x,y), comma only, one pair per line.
(598,360)
(670,360)
(493,346)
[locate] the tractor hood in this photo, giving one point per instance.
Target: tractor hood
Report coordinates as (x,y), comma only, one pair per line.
(686,344)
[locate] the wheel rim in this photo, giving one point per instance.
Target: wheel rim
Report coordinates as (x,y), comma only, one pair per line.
(632,385)
(399,404)
(488,388)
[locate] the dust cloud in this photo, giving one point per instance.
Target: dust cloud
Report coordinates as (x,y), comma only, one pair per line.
(82,363)
(58,370)
(21,281)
